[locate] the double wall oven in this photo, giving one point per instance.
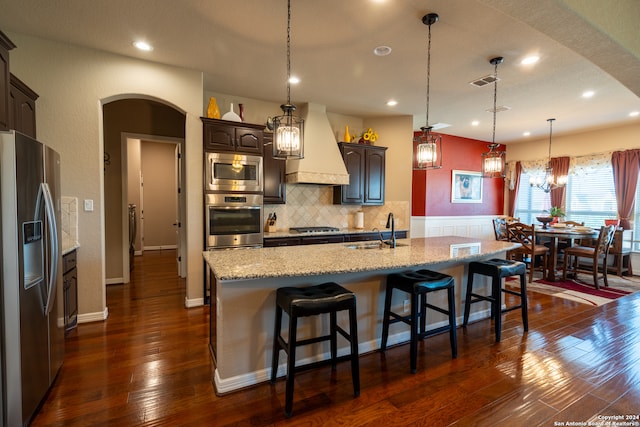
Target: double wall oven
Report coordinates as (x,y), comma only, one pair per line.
(233,200)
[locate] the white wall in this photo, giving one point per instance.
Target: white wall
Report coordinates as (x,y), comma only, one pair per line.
(73,83)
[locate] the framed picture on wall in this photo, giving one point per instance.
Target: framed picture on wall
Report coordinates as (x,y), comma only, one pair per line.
(466,187)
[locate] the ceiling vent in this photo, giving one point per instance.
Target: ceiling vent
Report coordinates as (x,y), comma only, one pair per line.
(499,109)
(483,81)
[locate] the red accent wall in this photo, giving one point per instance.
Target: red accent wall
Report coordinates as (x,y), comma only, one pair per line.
(431,190)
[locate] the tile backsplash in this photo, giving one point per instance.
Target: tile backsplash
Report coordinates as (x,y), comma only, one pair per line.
(312,205)
(69,218)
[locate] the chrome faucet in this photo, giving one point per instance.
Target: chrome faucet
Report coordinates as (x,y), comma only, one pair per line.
(391,223)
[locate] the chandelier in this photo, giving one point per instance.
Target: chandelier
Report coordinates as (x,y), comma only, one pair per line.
(549,181)
(493,165)
(428,145)
(288,132)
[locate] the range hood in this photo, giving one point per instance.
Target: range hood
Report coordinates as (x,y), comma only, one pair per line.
(322,163)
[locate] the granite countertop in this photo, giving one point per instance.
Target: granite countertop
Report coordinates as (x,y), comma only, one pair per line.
(336,258)
(287,233)
(67,245)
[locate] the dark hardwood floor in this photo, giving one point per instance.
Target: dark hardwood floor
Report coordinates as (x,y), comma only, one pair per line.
(149,364)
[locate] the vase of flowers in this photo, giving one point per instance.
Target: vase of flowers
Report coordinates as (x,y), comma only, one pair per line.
(556,212)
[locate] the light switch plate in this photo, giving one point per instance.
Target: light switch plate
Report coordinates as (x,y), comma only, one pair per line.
(88,205)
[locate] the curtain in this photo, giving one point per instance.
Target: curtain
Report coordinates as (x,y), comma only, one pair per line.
(626,165)
(560,166)
(514,185)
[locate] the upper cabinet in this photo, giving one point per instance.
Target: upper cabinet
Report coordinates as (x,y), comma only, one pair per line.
(224,135)
(366,167)
(5,46)
(22,107)
(275,187)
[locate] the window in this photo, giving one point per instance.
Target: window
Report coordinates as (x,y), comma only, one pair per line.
(590,198)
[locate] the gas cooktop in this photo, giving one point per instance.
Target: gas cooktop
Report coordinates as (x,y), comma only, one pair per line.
(312,229)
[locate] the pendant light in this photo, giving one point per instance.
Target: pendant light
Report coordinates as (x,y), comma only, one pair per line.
(550,181)
(288,132)
(428,145)
(493,165)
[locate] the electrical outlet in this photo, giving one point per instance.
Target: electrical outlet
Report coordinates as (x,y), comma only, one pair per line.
(405,306)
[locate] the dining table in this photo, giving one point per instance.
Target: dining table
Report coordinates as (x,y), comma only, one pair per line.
(555,234)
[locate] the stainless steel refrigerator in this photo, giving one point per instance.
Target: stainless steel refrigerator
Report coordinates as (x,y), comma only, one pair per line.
(32,308)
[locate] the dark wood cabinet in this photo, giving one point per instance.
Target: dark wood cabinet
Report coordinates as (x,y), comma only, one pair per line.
(5,46)
(22,107)
(366,167)
(275,187)
(224,135)
(70,290)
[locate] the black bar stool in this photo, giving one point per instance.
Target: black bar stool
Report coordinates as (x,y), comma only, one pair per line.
(418,284)
(310,301)
(497,269)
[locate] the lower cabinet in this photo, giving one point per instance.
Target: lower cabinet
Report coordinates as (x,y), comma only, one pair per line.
(70,290)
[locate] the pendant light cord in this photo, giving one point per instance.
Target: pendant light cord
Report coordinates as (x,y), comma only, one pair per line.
(428,74)
(495,101)
(288,52)
(550,132)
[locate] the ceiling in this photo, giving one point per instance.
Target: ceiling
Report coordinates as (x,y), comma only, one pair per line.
(240,46)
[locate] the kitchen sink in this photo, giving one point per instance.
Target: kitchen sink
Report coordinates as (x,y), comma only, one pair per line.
(371,245)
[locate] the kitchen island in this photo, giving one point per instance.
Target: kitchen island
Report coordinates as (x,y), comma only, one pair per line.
(244,283)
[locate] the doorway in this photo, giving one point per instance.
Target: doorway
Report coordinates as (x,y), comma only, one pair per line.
(141,119)
(154,197)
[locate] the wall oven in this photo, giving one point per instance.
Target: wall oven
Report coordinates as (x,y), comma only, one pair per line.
(233,220)
(232,172)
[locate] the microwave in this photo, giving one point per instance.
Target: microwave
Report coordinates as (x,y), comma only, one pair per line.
(226,172)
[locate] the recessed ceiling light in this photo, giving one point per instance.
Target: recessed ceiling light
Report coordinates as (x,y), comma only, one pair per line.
(634,113)
(143,46)
(382,51)
(588,94)
(527,133)
(475,123)
(392,103)
(530,60)
(294,80)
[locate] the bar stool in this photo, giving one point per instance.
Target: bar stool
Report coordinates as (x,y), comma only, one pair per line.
(310,301)
(419,284)
(497,269)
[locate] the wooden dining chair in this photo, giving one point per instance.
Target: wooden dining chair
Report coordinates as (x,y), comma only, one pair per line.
(593,254)
(500,228)
(528,251)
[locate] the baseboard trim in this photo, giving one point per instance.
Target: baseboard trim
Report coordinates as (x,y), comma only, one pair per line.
(195,302)
(94,317)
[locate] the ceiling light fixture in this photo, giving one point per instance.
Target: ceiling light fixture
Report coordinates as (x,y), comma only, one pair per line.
(530,60)
(143,46)
(549,181)
(428,146)
(288,130)
(382,51)
(392,103)
(493,161)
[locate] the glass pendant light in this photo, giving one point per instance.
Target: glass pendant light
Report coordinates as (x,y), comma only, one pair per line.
(549,181)
(428,145)
(493,164)
(288,132)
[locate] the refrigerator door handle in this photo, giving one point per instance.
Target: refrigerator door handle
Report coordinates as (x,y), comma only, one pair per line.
(53,241)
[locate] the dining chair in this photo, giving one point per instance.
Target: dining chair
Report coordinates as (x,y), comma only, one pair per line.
(594,254)
(500,228)
(525,234)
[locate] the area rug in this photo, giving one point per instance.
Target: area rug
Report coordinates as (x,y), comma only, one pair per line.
(582,291)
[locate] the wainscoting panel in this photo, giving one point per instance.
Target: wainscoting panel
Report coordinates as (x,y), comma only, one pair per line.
(480,227)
